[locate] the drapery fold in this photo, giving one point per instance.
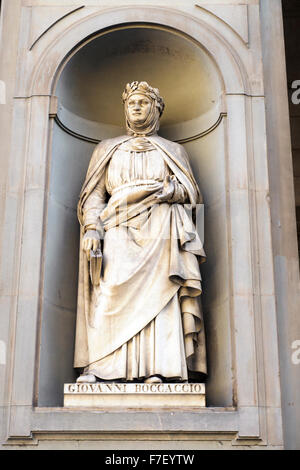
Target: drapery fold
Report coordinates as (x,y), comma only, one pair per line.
(160,251)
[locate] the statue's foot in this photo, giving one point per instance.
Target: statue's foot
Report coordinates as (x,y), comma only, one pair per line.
(86,378)
(154,379)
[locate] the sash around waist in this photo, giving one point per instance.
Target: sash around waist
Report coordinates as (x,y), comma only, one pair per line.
(136,183)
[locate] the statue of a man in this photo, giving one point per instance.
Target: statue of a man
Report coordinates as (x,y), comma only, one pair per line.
(139,319)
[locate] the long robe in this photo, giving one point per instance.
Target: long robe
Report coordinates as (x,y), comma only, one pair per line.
(144,318)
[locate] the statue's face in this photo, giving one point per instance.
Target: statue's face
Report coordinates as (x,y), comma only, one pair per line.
(138,108)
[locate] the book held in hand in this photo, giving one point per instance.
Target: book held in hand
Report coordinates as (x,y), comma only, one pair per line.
(95,266)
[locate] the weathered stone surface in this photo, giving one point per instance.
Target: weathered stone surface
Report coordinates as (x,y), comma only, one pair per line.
(243,331)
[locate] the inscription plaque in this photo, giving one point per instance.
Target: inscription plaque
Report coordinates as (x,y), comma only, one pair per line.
(102,395)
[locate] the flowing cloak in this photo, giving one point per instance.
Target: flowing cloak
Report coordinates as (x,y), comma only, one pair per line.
(185,251)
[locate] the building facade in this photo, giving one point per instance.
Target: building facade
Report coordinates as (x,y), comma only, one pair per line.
(221,67)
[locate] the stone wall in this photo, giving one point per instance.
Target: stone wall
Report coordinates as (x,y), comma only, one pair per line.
(235,163)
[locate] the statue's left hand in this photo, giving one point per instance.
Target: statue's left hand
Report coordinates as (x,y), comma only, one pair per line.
(167,191)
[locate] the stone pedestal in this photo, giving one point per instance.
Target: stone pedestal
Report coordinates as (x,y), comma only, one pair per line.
(134,395)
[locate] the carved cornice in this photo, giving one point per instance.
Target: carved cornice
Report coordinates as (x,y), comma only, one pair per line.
(203,133)
(73,133)
(179,141)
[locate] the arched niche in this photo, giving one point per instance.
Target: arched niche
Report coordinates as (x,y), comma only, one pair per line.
(90,86)
(89,89)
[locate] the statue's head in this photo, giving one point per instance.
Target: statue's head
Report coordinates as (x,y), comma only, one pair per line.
(143,108)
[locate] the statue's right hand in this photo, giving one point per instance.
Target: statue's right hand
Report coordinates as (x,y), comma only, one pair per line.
(90,241)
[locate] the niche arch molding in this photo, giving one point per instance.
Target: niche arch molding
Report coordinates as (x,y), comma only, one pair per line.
(51,55)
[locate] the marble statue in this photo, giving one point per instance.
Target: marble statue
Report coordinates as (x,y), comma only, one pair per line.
(138,316)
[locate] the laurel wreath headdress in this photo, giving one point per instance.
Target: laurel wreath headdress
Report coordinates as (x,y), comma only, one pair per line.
(151,124)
